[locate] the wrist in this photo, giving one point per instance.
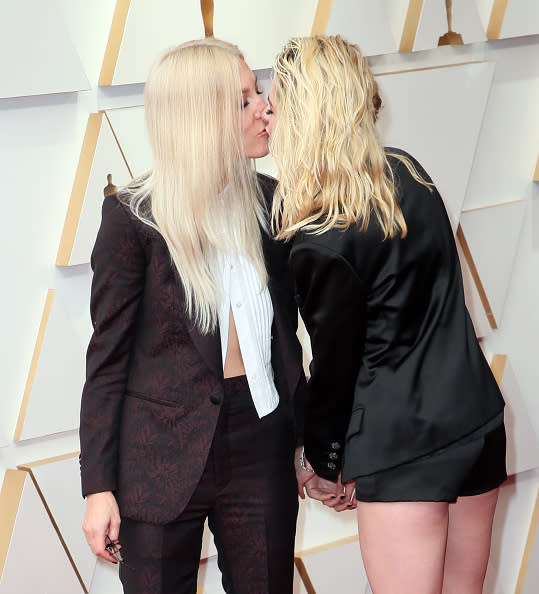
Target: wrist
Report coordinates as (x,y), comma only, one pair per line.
(303,462)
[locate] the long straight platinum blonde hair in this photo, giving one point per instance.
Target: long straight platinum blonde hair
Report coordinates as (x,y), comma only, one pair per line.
(201,193)
(332,169)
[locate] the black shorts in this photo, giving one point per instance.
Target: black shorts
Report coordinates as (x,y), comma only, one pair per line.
(470,466)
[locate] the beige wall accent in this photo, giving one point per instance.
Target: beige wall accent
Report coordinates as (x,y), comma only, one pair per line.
(114,42)
(536,174)
(410,25)
(321,17)
(10,497)
(78,192)
(496,19)
(497,366)
(528,550)
(477,280)
(34,363)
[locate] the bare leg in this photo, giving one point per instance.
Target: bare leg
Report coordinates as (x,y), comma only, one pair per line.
(403,545)
(468,543)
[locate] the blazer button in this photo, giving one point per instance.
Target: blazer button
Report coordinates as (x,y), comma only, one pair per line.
(215,399)
(335,445)
(332,465)
(333,456)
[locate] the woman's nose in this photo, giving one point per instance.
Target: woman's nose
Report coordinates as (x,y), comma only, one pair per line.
(261,107)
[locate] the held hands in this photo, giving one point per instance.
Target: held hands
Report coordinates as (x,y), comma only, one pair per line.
(335,495)
(102,519)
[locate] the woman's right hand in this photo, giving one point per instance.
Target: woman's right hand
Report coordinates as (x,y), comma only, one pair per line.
(102,518)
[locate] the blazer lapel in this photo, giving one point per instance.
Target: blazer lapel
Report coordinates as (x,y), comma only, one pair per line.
(209,346)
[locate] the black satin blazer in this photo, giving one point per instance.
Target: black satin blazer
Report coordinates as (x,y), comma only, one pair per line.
(397,371)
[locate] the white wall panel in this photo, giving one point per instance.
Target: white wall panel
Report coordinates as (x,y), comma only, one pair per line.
(362,22)
(59,483)
(436,115)
(38,56)
(396,15)
(151,27)
(493,236)
(130,129)
(521,18)
(58,380)
(262,32)
(88,24)
(36,560)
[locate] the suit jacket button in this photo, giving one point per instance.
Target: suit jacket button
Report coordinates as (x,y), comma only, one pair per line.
(215,399)
(333,456)
(335,445)
(332,465)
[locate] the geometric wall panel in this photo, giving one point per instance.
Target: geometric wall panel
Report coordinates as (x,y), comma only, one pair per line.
(522,441)
(509,18)
(100,155)
(436,115)
(362,22)
(528,579)
(32,558)
(129,127)
(58,482)
(56,377)
(38,56)
(269,30)
(493,235)
(141,30)
(474,294)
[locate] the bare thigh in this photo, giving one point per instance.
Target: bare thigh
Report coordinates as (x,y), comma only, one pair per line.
(468,543)
(403,545)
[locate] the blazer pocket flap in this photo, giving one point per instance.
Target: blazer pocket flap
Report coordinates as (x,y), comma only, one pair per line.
(356,422)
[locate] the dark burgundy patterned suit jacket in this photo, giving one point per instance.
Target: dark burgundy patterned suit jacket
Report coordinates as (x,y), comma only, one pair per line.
(154,384)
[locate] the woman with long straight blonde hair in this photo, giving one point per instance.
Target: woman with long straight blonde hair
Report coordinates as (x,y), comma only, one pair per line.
(403,419)
(191,408)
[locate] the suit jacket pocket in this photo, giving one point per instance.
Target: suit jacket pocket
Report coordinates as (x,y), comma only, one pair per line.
(154,399)
(356,422)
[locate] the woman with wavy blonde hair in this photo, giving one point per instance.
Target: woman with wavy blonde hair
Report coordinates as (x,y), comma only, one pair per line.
(194,371)
(403,416)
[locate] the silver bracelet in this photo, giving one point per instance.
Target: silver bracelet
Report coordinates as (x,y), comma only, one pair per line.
(302,462)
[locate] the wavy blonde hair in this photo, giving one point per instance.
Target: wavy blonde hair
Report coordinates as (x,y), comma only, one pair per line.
(332,169)
(201,193)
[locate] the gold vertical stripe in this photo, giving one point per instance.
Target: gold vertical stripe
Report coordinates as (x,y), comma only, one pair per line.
(497,366)
(78,192)
(528,549)
(302,570)
(10,498)
(114,42)
(206,6)
(476,278)
(536,174)
(34,363)
(495,22)
(119,145)
(410,25)
(321,17)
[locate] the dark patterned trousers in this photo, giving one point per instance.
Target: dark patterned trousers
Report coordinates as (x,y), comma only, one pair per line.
(248,493)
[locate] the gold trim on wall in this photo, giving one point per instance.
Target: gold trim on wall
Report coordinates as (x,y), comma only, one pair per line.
(411,24)
(528,549)
(34,363)
(114,42)
(497,366)
(78,192)
(536,174)
(10,498)
(476,278)
(321,17)
(495,22)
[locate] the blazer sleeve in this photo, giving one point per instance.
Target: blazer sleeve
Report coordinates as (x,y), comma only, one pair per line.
(118,264)
(332,303)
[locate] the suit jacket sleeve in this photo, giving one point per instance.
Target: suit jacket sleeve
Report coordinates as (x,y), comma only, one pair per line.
(332,302)
(118,264)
